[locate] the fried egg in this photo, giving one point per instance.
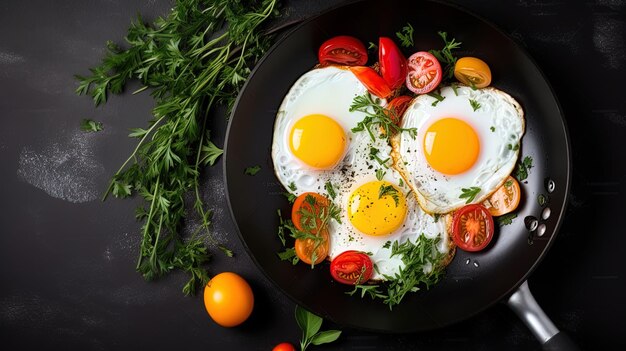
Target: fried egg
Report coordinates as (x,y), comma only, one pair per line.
(314,146)
(466,143)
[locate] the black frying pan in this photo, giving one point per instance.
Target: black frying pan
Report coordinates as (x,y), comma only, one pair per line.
(473,281)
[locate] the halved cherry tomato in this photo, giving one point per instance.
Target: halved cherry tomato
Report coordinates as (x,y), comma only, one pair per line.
(370,78)
(472,227)
(284,346)
(310,250)
(397,106)
(351,267)
(343,50)
(313,251)
(310,202)
(472,71)
(424,73)
(392,63)
(505,199)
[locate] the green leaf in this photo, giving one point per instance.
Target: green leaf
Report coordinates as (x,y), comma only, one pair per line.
(252,170)
(506,219)
(309,323)
(210,153)
(137,133)
(325,337)
(89,125)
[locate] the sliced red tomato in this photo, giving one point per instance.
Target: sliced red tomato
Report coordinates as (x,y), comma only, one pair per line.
(424,73)
(370,78)
(342,50)
(397,106)
(351,267)
(392,63)
(309,202)
(472,227)
(285,346)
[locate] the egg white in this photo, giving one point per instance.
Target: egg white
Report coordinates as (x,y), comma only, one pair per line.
(499,123)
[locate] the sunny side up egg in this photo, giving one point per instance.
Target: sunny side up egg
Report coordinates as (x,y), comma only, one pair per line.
(313,146)
(470,139)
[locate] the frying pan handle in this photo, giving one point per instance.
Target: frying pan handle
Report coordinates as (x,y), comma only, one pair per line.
(525,306)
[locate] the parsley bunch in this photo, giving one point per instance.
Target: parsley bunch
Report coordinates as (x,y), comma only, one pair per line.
(192,60)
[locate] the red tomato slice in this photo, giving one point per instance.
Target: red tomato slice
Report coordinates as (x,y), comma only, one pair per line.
(397,106)
(472,227)
(424,73)
(351,267)
(392,63)
(342,50)
(374,83)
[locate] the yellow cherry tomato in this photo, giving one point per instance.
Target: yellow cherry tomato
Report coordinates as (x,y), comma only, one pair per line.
(472,71)
(228,299)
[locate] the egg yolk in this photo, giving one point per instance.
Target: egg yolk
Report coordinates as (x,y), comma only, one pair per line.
(317,140)
(451,146)
(377,208)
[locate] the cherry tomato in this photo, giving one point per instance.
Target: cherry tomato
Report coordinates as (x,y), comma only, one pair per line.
(424,73)
(305,248)
(472,227)
(370,78)
(397,106)
(505,199)
(343,50)
(351,267)
(392,63)
(285,346)
(228,299)
(472,71)
(303,202)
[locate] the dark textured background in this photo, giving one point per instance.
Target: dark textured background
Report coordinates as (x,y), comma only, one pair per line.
(67,260)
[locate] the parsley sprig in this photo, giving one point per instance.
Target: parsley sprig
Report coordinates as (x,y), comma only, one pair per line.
(89,125)
(406,36)
(445,55)
(192,60)
(469,193)
(523,168)
(416,256)
(389,190)
(376,116)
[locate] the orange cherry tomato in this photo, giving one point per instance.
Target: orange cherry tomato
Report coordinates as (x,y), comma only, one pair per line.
(228,299)
(472,71)
(285,346)
(311,250)
(372,81)
(472,227)
(505,199)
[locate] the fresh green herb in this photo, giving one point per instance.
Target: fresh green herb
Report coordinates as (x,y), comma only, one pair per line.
(330,190)
(506,219)
(455,88)
(406,36)
(89,125)
(252,170)
(291,197)
(513,147)
(436,96)
(289,255)
(475,104)
(194,59)
(493,129)
(523,168)
(374,156)
(469,193)
(389,190)
(508,183)
(372,46)
(380,174)
(445,55)
(376,115)
(542,200)
(292,186)
(387,244)
(472,84)
(416,256)
(310,325)
(281,227)
(401,183)
(436,217)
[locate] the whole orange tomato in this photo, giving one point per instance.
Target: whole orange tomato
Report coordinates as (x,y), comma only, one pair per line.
(228,299)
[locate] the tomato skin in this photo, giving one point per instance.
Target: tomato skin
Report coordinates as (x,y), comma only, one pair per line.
(392,63)
(472,227)
(305,248)
(342,50)
(374,83)
(505,199)
(351,267)
(424,73)
(300,203)
(285,346)
(228,299)
(397,106)
(472,71)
